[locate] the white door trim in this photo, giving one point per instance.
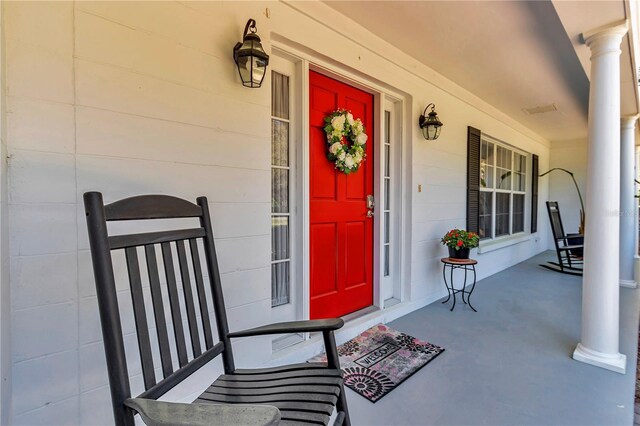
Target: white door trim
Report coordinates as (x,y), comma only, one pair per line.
(382,93)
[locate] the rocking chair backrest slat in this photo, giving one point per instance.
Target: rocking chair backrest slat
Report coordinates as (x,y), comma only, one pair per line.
(174,303)
(202,299)
(188,298)
(140,316)
(185,292)
(556,220)
(158,310)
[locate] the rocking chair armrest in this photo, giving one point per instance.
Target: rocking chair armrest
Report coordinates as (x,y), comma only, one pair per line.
(574,236)
(308,326)
(572,247)
(163,413)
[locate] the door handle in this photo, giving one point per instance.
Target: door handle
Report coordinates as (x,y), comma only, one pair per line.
(369,213)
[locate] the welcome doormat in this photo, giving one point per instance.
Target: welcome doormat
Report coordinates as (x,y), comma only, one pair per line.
(376,361)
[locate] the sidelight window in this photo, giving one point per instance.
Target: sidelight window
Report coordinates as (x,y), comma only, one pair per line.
(280,188)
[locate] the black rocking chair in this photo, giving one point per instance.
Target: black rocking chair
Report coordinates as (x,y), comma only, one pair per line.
(569,255)
(305,393)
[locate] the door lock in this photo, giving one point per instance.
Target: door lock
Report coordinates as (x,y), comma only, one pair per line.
(370,202)
(370,205)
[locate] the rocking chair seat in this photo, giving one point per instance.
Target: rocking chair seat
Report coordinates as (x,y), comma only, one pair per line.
(573,247)
(164,413)
(304,393)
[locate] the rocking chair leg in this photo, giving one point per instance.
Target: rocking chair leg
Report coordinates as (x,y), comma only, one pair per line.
(342,406)
(333,361)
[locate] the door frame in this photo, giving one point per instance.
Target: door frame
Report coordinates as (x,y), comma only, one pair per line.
(383,95)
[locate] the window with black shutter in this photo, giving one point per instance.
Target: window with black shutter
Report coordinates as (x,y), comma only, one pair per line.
(534,192)
(473,178)
(497,176)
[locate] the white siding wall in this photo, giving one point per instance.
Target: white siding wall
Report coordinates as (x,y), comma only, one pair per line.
(5,285)
(570,155)
(131,98)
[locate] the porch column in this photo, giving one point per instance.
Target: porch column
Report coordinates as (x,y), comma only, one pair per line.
(600,286)
(628,204)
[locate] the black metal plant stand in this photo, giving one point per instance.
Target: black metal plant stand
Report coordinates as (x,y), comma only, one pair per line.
(467,265)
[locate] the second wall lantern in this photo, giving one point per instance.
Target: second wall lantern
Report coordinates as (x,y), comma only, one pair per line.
(250,57)
(430,124)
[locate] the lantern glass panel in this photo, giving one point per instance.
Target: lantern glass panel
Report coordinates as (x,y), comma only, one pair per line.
(244,67)
(251,66)
(258,69)
(430,132)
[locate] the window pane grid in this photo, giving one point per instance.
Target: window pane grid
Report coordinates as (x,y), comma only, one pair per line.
(280,283)
(387,167)
(279,143)
(486,165)
(486,212)
(279,95)
(387,195)
(503,180)
(280,193)
(503,207)
(518,213)
(387,268)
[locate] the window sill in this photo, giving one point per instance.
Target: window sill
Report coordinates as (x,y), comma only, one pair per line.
(488,246)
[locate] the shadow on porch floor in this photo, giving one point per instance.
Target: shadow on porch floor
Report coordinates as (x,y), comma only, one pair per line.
(510,363)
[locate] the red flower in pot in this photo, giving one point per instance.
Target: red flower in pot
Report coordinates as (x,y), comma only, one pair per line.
(460,242)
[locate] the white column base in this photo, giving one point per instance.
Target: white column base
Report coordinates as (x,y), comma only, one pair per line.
(628,284)
(616,362)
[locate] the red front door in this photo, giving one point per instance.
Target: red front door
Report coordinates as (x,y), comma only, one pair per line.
(341,234)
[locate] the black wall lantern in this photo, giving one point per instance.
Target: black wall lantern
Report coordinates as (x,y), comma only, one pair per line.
(431,124)
(250,57)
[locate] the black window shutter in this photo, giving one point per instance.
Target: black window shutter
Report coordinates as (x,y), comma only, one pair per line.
(534,193)
(473,179)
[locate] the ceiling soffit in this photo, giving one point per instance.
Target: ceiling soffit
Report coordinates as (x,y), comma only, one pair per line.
(516,55)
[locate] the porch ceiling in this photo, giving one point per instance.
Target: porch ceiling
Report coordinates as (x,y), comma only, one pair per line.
(513,54)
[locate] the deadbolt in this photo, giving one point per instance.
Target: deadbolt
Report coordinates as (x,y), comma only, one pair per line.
(370,202)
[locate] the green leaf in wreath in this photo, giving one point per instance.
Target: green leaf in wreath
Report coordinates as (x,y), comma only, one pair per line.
(328,128)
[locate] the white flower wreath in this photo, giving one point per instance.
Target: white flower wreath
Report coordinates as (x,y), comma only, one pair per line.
(348,155)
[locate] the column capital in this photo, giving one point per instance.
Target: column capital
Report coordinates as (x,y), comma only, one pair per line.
(628,121)
(607,37)
(618,28)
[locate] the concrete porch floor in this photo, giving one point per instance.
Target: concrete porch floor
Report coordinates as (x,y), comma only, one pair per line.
(510,363)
